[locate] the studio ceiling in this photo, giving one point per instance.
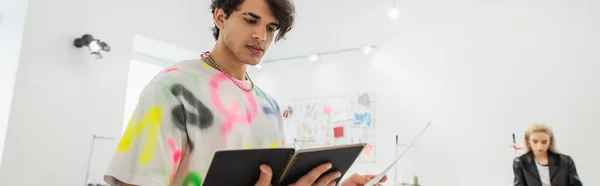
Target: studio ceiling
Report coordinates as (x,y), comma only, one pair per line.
(326,25)
(321,25)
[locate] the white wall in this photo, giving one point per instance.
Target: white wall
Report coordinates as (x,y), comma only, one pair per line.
(470,67)
(12,22)
(62,97)
(478,75)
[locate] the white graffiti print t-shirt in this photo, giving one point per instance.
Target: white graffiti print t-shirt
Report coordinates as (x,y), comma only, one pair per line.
(195,107)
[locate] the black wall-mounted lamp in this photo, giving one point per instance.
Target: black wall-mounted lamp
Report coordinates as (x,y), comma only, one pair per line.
(94,45)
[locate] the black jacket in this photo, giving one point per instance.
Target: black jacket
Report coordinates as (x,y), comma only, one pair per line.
(562,171)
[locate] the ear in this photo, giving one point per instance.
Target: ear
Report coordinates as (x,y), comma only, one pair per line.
(219,18)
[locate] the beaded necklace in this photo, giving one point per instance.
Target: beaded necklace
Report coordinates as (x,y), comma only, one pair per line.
(235,81)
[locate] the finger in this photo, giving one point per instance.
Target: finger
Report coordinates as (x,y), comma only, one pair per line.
(329,178)
(312,176)
(265,176)
(384,178)
(333,183)
(358,179)
(371,176)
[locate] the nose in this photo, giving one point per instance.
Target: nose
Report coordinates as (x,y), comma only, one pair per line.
(260,35)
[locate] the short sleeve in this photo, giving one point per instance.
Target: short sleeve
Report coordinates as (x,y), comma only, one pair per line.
(281,123)
(149,152)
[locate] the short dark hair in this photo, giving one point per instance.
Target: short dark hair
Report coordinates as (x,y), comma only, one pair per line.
(283,10)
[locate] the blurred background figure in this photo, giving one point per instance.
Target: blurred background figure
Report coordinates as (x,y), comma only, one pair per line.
(542,164)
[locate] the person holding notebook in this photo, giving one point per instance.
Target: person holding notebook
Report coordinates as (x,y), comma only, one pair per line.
(197,106)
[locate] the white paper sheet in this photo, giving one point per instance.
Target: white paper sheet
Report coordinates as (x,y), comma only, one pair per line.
(384,172)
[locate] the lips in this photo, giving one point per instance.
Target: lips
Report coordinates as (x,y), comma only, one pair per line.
(255,47)
(255,50)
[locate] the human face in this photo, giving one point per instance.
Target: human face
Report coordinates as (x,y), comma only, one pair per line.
(539,142)
(249,31)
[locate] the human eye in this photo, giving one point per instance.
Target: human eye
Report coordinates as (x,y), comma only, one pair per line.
(251,21)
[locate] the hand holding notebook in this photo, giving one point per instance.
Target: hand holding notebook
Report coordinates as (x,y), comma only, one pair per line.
(288,165)
(316,176)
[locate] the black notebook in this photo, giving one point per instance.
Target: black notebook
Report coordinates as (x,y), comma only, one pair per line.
(241,167)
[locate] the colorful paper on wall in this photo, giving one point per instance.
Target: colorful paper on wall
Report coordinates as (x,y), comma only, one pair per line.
(327,110)
(341,111)
(368,151)
(363,119)
(338,132)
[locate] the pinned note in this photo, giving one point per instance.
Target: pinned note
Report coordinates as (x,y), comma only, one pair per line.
(338,132)
(327,110)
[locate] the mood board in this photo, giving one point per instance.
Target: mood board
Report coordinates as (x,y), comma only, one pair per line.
(331,120)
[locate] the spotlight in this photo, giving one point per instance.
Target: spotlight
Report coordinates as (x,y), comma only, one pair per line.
(393,13)
(94,45)
(258,66)
(313,58)
(367,49)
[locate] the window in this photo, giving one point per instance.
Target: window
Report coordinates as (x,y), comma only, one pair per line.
(140,74)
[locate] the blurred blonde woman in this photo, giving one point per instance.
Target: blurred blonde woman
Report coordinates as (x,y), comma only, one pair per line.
(542,164)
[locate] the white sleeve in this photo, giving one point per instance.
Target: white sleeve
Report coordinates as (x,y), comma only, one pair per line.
(149,151)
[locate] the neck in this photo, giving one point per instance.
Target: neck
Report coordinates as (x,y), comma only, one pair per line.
(541,156)
(228,62)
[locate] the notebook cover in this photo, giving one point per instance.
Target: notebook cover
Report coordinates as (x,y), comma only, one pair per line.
(241,167)
(341,157)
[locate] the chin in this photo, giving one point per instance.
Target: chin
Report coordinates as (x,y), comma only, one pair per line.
(539,152)
(251,61)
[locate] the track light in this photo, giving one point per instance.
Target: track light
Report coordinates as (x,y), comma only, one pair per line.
(94,45)
(315,56)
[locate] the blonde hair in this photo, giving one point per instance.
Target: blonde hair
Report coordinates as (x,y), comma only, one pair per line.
(539,127)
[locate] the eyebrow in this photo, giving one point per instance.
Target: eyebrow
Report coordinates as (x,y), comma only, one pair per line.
(253,15)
